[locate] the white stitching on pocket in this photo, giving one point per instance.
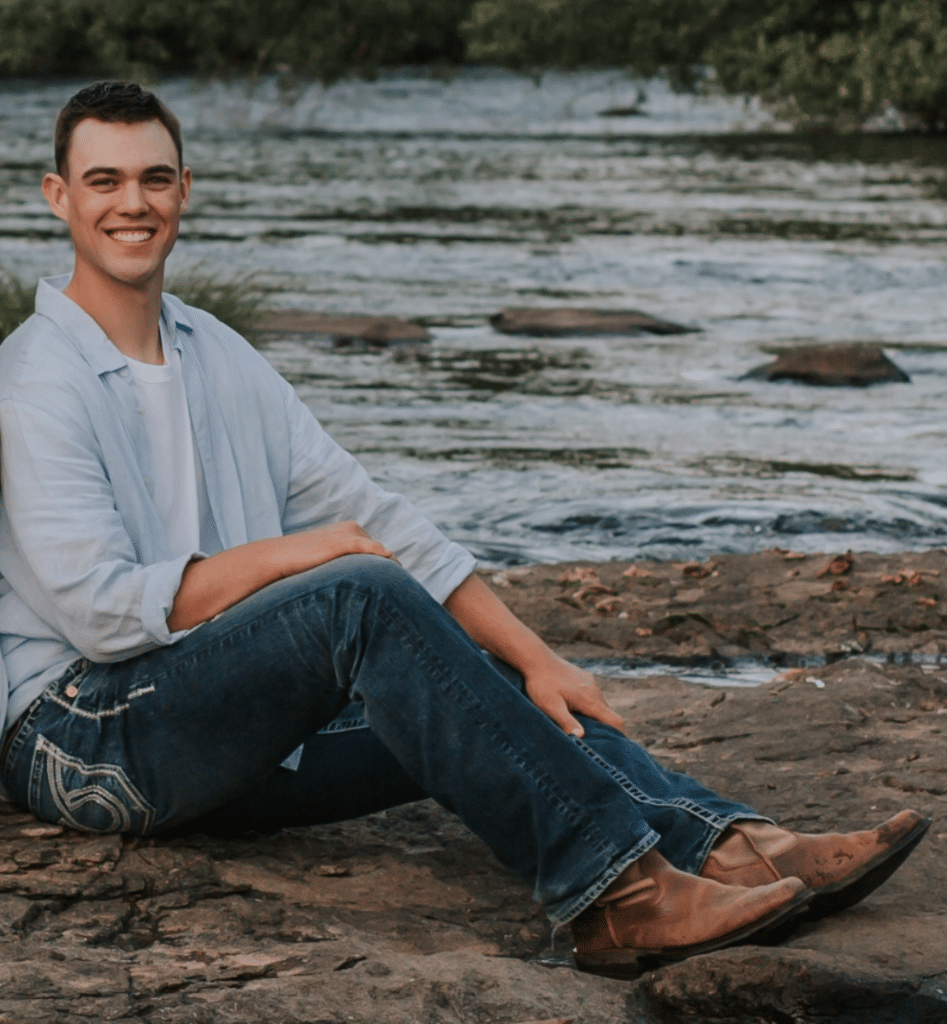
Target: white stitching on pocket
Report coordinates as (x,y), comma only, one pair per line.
(103,793)
(108,712)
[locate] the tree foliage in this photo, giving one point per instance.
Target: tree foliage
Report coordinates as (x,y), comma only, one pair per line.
(326,38)
(834,61)
(839,62)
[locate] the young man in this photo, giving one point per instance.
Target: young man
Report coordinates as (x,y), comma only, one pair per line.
(212,616)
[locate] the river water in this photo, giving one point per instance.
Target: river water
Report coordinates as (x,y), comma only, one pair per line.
(447,200)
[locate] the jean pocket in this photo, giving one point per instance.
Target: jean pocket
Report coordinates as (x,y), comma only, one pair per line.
(88,797)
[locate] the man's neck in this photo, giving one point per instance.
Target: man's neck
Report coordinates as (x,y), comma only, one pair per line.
(128,314)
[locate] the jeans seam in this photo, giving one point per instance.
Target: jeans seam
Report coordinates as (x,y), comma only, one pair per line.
(351,725)
(682,803)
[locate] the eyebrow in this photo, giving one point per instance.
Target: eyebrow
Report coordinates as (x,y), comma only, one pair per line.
(114,172)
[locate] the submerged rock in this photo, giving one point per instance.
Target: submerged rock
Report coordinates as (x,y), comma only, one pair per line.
(553,323)
(855,365)
(347,332)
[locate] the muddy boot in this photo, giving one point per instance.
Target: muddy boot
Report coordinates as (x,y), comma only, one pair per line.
(654,912)
(840,868)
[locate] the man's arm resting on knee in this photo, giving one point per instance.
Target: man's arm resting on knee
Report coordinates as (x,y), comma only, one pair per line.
(554,685)
(211,585)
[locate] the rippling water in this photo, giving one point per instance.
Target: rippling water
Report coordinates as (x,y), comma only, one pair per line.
(447,200)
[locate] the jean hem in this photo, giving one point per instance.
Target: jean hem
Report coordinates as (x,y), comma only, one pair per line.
(711,838)
(567,910)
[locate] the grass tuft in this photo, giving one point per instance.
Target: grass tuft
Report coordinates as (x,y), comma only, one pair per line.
(16,304)
(238,301)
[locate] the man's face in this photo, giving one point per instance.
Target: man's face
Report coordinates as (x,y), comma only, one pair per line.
(122,195)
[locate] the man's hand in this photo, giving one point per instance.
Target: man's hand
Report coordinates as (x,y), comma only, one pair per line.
(554,685)
(301,551)
(561,688)
(210,586)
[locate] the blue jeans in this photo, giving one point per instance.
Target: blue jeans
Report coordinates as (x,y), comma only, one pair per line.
(195,733)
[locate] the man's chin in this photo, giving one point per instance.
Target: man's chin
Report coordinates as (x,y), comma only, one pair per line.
(140,276)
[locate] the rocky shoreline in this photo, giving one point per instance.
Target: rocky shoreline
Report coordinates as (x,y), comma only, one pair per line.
(405,917)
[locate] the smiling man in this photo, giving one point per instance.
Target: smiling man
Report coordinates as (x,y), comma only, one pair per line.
(212,618)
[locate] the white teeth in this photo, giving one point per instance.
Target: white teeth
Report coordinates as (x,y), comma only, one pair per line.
(131,236)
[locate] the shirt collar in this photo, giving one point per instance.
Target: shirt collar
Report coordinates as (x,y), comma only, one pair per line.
(91,340)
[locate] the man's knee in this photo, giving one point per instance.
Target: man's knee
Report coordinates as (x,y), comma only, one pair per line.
(373,574)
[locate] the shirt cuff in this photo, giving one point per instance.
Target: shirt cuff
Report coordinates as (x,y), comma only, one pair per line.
(456,565)
(157,599)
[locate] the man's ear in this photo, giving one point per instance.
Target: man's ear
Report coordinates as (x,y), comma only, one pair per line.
(55,190)
(185,187)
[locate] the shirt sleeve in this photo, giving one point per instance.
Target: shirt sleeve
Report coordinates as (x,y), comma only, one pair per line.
(77,568)
(328,485)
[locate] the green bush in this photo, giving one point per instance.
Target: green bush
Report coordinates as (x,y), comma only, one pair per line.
(138,40)
(830,61)
(16,304)
(839,62)
(238,301)
(647,36)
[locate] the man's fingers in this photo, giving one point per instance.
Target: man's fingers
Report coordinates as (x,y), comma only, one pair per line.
(596,707)
(560,714)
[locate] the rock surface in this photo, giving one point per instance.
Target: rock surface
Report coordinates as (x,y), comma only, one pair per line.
(555,323)
(778,605)
(855,365)
(345,332)
(406,917)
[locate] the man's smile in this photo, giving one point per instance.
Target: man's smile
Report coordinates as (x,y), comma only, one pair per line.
(131,234)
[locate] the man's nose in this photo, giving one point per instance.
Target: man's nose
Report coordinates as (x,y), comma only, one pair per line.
(132,198)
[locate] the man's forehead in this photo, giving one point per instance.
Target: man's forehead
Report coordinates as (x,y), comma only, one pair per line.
(96,143)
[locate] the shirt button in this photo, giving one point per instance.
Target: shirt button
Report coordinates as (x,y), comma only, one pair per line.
(141,410)
(123,372)
(148,481)
(72,691)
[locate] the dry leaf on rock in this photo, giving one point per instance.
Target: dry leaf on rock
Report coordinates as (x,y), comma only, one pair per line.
(636,573)
(839,565)
(579,574)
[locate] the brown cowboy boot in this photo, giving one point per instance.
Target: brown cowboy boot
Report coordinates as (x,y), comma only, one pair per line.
(656,912)
(840,868)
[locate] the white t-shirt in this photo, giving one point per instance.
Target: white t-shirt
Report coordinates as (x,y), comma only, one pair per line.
(179,491)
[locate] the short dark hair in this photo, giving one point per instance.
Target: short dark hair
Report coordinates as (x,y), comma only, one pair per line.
(113,102)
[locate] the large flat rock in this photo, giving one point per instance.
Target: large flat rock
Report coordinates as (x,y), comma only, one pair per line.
(344,331)
(776,605)
(846,365)
(555,323)
(406,917)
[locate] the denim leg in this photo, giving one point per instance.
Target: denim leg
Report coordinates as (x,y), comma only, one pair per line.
(687,816)
(345,772)
(149,743)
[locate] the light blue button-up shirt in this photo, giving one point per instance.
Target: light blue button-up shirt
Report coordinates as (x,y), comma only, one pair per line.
(87,571)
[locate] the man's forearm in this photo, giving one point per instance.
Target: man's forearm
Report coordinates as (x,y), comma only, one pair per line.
(494,627)
(555,686)
(210,586)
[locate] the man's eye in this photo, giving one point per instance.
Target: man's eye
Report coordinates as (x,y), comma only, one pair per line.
(158,179)
(102,182)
